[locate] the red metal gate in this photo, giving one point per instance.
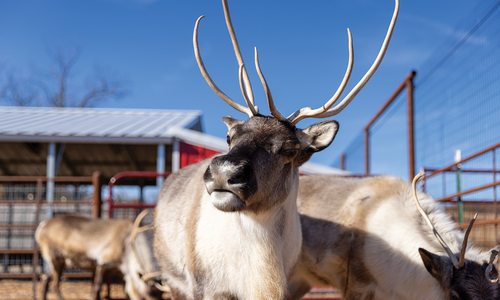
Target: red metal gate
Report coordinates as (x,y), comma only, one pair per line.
(130,176)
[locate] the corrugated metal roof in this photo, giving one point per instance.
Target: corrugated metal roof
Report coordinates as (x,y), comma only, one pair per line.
(92,124)
(105,125)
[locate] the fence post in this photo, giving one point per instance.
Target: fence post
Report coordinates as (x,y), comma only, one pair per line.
(343,161)
(51,172)
(367,150)
(97,197)
(458,159)
(411,125)
(36,258)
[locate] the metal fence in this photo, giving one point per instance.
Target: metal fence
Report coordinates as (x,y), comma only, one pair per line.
(456,100)
(126,200)
(23,205)
(468,186)
(456,106)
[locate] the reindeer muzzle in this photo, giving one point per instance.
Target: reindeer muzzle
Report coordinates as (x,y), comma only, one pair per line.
(230,181)
(226,201)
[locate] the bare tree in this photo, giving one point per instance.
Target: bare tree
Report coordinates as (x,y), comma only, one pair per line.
(61,85)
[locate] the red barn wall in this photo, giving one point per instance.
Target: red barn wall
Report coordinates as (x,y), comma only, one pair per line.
(190,154)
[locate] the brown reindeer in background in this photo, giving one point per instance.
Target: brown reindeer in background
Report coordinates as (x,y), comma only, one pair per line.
(98,245)
(228,227)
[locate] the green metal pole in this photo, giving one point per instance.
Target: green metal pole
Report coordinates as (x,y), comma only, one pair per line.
(458,172)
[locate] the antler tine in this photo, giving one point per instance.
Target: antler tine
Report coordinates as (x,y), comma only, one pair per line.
(324,111)
(453,258)
(269,96)
(241,72)
(151,275)
(464,242)
(136,227)
(307,112)
(246,88)
(207,77)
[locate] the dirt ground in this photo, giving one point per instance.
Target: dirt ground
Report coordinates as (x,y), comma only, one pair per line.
(71,290)
(81,290)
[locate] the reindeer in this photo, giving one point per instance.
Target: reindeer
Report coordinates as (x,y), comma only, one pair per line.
(365,237)
(228,227)
(101,246)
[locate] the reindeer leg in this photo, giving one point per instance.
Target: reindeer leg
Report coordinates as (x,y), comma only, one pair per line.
(97,282)
(49,259)
(58,269)
(45,285)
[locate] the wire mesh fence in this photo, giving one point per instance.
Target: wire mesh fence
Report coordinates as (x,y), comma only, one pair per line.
(23,206)
(457,91)
(456,107)
(354,161)
(456,99)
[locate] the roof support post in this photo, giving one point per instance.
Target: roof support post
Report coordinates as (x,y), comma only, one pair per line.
(51,170)
(160,164)
(176,155)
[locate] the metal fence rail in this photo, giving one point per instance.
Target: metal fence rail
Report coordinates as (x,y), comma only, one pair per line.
(467,186)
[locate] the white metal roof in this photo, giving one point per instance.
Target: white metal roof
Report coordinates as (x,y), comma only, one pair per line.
(106,125)
(218,144)
(37,124)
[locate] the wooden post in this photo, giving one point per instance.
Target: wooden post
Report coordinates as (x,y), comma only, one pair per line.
(97,197)
(411,126)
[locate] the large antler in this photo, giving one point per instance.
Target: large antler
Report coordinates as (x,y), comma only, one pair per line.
(246,87)
(306,112)
(458,264)
(325,111)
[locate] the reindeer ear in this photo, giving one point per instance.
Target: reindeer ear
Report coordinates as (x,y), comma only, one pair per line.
(318,136)
(231,122)
(439,267)
(491,271)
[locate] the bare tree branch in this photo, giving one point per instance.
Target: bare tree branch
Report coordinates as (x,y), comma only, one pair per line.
(99,91)
(60,86)
(64,63)
(18,92)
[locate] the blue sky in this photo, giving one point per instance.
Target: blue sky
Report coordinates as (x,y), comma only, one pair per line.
(302,47)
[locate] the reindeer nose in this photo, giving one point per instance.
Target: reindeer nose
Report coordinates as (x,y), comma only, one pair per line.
(225,173)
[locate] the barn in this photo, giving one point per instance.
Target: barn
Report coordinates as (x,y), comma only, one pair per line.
(92,161)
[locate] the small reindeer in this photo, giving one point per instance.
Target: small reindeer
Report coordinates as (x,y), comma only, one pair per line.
(365,237)
(100,246)
(228,227)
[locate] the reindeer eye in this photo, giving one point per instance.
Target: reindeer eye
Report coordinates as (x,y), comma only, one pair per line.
(289,149)
(289,152)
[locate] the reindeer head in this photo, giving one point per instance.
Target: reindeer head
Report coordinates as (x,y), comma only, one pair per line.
(470,281)
(265,152)
(460,277)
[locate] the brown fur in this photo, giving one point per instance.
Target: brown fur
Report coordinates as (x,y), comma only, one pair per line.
(97,245)
(66,240)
